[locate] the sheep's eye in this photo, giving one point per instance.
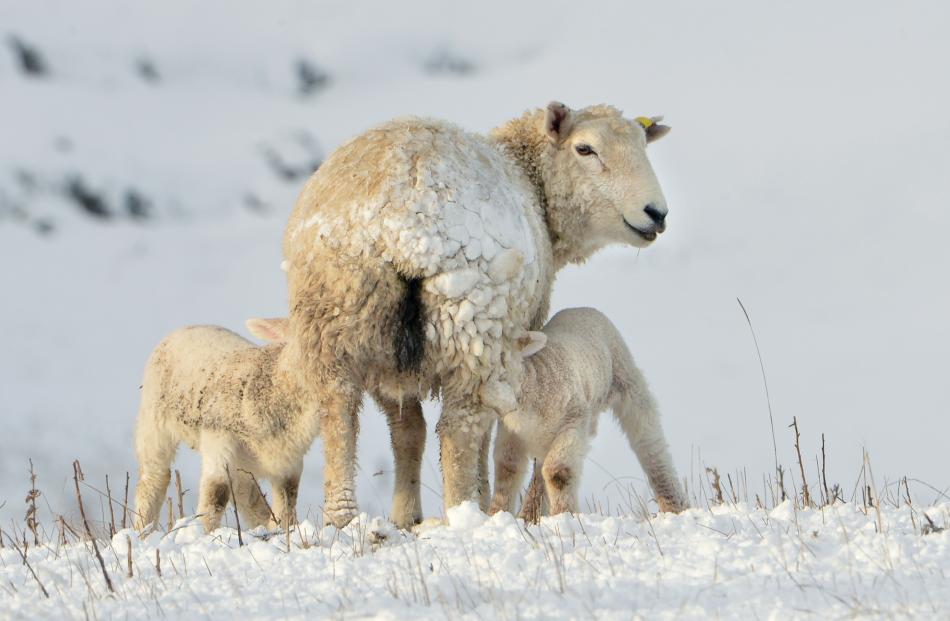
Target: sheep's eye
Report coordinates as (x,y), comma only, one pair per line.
(584,149)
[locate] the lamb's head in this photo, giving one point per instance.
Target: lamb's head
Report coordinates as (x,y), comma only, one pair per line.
(599,185)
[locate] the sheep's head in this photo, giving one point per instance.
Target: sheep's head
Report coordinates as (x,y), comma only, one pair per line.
(598,181)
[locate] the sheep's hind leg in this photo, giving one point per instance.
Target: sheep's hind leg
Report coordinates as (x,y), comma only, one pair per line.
(461,429)
(155,450)
(407,429)
(339,428)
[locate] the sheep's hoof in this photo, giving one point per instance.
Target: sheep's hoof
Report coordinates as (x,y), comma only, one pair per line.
(339,516)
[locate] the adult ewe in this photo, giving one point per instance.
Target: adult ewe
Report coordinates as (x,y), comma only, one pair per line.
(418,254)
(583,369)
(240,407)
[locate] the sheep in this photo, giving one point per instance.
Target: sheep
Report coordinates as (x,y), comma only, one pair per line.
(418,254)
(240,406)
(583,369)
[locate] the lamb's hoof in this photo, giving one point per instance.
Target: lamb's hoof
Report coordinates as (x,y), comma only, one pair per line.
(671,505)
(427,524)
(406,521)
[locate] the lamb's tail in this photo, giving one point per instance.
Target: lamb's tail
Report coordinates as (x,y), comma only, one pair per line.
(155,447)
(409,341)
(637,414)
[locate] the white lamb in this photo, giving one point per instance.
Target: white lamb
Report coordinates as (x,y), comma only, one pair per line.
(583,369)
(240,407)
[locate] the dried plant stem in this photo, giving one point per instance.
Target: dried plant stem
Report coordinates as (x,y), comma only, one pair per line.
(111,511)
(806,497)
(125,505)
(824,472)
(181,494)
(30,567)
(237,518)
(31,497)
(128,558)
(77,474)
(765,382)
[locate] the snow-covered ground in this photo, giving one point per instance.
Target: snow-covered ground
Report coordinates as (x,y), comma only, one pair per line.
(730,562)
(147,171)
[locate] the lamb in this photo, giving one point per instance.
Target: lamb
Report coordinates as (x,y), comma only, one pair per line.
(240,406)
(418,254)
(583,369)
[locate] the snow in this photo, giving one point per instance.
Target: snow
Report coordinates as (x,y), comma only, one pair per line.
(805,174)
(730,561)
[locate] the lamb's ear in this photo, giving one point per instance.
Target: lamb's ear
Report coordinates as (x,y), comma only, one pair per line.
(557,121)
(652,126)
(531,343)
(274,330)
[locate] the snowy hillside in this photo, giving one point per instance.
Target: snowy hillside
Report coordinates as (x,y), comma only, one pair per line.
(150,154)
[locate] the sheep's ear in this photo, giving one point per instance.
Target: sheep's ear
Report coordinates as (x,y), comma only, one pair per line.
(274,330)
(651,125)
(531,343)
(557,121)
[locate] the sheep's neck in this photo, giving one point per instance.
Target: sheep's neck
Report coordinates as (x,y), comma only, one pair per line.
(522,142)
(286,380)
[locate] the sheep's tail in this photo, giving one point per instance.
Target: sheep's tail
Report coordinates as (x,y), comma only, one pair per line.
(639,418)
(155,447)
(409,338)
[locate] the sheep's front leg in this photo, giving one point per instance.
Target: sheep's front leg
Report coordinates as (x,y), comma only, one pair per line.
(461,429)
(562,467)
(339,427)
(510,465)
(407,430)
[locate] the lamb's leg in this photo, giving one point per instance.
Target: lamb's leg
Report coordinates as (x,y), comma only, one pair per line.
(155,449)
(407,430)
(484,486)
(562,467)
(214,490)
(640,422)
(339,427)
(250,501)
(536,500)
(285,498)
(510,465)
(461,429)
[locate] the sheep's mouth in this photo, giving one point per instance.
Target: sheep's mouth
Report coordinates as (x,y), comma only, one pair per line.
(647,235)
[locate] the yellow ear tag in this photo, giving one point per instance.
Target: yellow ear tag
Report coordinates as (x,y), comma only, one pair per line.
(644,121)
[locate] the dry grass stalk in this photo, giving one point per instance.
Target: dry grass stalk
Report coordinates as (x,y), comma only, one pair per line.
(128,558)
(158,562)
(237,518)
(716,485)
(125,503)
(31,497)
(824,472)
(806,496)
(111,511)
(181,494)
(77,475)
(171,516)
(30,567)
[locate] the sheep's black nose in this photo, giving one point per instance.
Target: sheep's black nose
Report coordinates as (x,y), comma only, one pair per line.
(657,215)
